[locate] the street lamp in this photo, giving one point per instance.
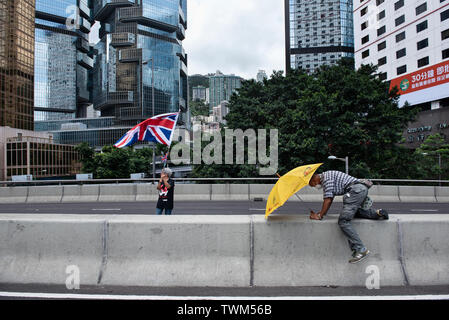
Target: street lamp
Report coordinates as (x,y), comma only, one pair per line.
(345,160)
(439,165)
(152,103)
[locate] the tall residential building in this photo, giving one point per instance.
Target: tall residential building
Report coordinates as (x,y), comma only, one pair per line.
(140,58)
(221,88)
(63,58)
(261,75)
(409,42)
(200,93)
(16,63)
(317,32)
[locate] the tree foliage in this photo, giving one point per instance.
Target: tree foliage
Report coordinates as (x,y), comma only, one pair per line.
(335,111)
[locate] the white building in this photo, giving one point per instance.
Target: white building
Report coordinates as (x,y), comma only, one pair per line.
(261,75)
(409,41)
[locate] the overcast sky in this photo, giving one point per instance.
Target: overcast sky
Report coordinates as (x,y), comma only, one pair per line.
(235,36)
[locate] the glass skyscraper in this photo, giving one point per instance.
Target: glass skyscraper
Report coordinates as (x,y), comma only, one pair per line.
(318,32)
(63,58)
(139,59)
(16,63)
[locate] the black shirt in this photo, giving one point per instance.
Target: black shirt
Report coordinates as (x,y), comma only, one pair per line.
(166,195)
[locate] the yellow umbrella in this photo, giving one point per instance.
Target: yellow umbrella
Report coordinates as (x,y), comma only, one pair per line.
(288,185)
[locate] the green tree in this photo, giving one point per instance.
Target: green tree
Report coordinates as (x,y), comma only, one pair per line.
(432,157)
(199,108)
(335,111)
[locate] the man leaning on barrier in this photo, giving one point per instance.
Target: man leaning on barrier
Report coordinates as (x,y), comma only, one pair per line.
(356,203)
(166,187)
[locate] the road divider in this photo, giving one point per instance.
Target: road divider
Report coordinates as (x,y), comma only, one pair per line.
(203,192)
(220,251)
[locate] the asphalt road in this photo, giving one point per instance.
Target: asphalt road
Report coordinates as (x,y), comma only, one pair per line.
(208,208)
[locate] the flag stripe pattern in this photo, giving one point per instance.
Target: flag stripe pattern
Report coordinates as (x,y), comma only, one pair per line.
(156,129)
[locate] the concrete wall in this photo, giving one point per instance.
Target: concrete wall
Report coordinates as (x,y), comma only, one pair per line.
(197,192)
(220,251)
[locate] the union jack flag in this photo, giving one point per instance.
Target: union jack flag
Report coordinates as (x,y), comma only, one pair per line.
(156,129)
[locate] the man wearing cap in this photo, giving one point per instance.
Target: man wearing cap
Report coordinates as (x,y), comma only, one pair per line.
(355,193)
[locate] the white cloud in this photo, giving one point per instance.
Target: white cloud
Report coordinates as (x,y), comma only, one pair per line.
(235,36)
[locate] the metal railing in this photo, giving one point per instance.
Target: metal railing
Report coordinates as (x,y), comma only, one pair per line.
(211,180)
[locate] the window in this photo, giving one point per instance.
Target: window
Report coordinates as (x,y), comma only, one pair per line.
(381,15)
(381,45)
(401,69)
(398,4)
(382,61)
(365,39)
(400,36)
(379,2)
(421,26)
(422,44)
(445,34)
(445,53)
(381,30)
(364,25)
(444,15)
(401,53)
(363,11)
(399,20)
(421,8)
(383,76)
(423,62)
(365,54)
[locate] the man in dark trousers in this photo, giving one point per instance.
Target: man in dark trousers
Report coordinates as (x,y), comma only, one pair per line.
(355,192)
(166,187)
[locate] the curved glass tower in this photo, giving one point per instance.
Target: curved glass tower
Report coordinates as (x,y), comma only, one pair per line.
(63,58)
(140,67)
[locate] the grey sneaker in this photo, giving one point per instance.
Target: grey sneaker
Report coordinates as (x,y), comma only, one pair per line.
(359,256)
(383,213)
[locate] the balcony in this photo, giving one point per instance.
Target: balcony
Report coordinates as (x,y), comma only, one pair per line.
(181,32)
(82,45)
(85,61)
(84,10)
(104,8)
(135,14)
(113,98)
(182,18)
(122,39)
(130,55)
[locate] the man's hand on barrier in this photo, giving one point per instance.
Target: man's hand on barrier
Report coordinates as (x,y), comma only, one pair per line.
(315,216)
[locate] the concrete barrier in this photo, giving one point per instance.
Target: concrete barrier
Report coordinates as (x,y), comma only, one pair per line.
(260,191)
(82,193)
(230,191)
(426,249)
(223,251)
(442,194)
(39,249)
(13,194)
(295,251)
(48,194)
(118,192)
(178,251)
(192,192)
(417,194)
(147,192)
(384,193)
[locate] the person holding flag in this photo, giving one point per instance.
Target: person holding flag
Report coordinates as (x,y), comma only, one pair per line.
(166,188)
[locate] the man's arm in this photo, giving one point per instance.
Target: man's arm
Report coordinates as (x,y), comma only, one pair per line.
(326,205)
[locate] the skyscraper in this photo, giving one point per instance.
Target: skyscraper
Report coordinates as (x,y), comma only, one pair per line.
(317,32)
(221,87)
(63,59)
(140,59)
(16,63)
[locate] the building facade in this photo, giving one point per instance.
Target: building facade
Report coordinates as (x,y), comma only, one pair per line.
(17,63)
(63,58)
(140,59)
(221,88)
(261,76)
(200,93)
(317,32)
(409,43)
